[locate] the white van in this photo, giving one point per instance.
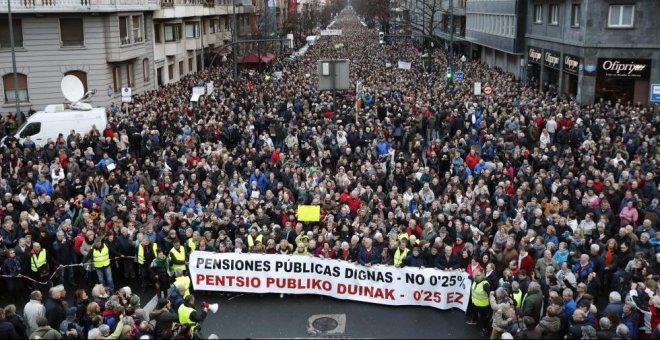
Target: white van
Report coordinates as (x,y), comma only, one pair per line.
(55,119)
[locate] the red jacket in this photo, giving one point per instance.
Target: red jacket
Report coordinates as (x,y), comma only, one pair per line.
(472,160)
(527,263)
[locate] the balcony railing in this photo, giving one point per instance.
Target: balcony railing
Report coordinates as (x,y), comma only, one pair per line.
(77,5)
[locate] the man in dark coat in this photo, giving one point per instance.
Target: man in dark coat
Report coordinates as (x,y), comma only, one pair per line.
(55,308)
(532,303)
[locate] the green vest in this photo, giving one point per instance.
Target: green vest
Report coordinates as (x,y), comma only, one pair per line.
(185,281)
(479,295)
(179,256)
(38,260)
(184,314)
(518,297)
(399,256)
(101,258)
(251,240)
(140,257)
(191,244)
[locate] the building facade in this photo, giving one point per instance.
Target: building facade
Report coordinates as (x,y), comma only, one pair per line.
(106,45)
(594,50)
(496,33)
(111,44)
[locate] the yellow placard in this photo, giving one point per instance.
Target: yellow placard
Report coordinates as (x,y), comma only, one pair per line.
(309,213)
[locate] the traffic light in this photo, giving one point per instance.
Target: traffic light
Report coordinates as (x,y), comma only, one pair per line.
(381,38)
(450,74)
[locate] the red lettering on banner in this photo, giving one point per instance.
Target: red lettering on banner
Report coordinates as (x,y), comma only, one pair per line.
(199,278)
(455,297)
(366,291)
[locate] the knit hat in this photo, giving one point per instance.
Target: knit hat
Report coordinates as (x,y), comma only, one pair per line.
(71,311)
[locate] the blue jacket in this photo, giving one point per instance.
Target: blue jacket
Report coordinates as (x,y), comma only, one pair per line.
(414,261)
(569,307)
(363,259)
(262,181)
(43,186)
(581,273)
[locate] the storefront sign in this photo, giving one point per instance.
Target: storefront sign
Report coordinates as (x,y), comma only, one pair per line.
(655,93)
(625,68)
(535,55)
(551,59)
(387,285)
(571,64)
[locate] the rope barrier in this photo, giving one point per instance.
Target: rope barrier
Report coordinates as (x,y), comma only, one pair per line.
(50,279)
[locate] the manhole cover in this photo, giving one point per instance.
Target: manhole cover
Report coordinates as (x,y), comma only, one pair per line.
(325,324)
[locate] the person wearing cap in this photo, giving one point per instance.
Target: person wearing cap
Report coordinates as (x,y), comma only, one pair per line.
(70,327)
(164,317)
(190,317)
(100,258)
(415,259)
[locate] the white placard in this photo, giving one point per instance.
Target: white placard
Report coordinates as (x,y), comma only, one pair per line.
(197,91)
(405,65)
(477,88)
(387,285)
(331,32)
(209,88)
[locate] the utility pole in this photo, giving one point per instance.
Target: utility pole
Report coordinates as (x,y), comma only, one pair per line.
(451,42)
(13,59)
(234,46)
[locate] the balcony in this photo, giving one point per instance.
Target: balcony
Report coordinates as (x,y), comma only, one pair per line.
(190,8)
(85,6)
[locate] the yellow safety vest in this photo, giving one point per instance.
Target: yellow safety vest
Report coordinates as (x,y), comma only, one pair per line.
(518,297)
(101,259)
(140,256)
(479,295)
(184,314)
(185,281)
(179,256)
(38,260)
(191,244)
(251,240)
(400,256)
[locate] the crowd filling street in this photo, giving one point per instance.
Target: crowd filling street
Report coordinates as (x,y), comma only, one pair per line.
(551,207)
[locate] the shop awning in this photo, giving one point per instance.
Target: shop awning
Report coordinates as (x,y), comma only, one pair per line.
(256,58)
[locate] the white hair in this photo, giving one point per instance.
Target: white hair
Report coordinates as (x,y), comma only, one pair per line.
(615,297)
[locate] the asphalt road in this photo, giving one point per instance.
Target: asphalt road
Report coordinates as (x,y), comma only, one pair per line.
(269,316)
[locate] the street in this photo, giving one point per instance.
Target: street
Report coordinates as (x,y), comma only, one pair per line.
(269,316)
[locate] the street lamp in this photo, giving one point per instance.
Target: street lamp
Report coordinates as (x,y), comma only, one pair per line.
(450,71)
(13,58)
(234,49)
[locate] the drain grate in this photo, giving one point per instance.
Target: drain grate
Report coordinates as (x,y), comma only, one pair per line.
(325,324)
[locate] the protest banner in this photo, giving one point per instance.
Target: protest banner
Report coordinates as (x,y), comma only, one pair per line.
(309,213)
(387,285)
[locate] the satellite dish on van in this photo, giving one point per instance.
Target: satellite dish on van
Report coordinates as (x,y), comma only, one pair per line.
(72,88)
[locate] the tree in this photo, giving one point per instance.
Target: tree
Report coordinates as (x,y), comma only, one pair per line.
(426,16)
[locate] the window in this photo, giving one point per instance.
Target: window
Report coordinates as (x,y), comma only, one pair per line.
(170,71)
(129,75)
(181,68)
(21,86)
(130,29)
(81,75)
(71,32)
(227,22)
(172,32)
(204,24)
(137,28)
(575,15)
(190,63)
(538,14)
(215,26)
(553,18)
(124,29)
(192,30)
(5,39)
(157,37)
(31,129)
(621,16)
(145,69)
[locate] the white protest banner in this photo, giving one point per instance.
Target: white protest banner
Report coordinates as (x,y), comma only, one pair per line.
(405,65)
(330,32)
(259,273)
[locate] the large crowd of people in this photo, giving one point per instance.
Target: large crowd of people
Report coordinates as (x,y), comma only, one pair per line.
(551,207)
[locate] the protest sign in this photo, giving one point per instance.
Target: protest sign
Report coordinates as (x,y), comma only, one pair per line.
(387,285)
(309,213)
